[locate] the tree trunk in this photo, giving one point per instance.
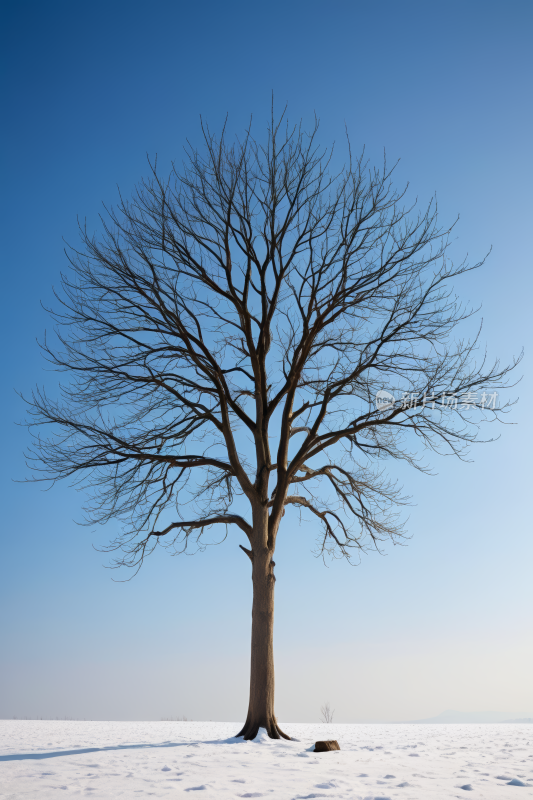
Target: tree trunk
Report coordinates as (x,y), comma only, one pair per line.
(261,706)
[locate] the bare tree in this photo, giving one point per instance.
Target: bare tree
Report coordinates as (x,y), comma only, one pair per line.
(326,713)
(225,337)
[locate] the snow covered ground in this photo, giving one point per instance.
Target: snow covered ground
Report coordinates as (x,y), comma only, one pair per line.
(42,759)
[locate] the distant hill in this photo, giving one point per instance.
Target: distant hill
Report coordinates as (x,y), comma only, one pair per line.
(474,716)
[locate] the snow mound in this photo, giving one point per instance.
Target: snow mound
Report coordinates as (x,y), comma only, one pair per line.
(263,737)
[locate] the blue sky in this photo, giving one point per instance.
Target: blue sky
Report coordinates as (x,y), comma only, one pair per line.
(89,91)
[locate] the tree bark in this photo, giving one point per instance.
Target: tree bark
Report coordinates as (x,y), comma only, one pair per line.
(261,706)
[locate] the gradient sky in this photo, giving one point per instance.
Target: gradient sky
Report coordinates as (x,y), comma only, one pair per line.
(444,623)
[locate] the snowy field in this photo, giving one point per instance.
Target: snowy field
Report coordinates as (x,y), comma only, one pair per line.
(172,759)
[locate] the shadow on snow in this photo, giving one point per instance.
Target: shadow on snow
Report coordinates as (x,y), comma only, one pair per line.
(58,753)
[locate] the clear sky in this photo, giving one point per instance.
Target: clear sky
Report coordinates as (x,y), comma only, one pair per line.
(444,623)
